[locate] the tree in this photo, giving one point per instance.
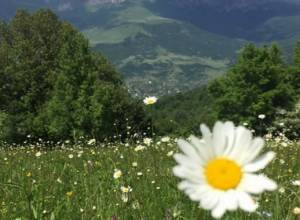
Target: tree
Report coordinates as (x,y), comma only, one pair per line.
(54,87)
(297,55)
(257,84)
(294,70)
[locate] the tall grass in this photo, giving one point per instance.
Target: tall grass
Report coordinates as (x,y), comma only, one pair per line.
(76,182)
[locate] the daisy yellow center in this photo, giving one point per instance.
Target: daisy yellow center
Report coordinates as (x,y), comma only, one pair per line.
(223,174)
(151,101)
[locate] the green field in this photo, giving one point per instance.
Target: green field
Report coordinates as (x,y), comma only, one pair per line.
(76,182)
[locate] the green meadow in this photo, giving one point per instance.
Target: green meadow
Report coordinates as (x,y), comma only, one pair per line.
(76,181)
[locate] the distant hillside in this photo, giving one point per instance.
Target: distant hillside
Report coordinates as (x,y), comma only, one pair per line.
(167,46)
(232,18)
(160,56)
(284,30)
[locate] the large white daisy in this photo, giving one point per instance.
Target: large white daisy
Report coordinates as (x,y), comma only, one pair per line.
(219,170)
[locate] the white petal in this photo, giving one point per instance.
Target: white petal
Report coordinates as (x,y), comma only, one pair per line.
(256,184)
(255,148)
(210,199)
(249,184)
(188,162)
(260,163)
(189,174)
(296,182)
(205,151)
(268,184)
(231,200)
(243,138)
(219,139)
(205,131)
(206,136)
(223,137)
(228,200)
(183,185)
(229,132)
(188,149)
(246,202)
(219,210)
(198,193)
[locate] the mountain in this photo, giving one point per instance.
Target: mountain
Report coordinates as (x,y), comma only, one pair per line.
(233,18)
(284,30)
(159,55)
(260,21)
(166,46)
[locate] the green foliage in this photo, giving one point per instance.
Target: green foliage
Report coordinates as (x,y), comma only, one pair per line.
(257,84)
(295,69)
(53,86)
(297,55)
(183,113)
(287,122)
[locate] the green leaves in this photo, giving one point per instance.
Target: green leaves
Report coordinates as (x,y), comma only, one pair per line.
(53,86)
(256,84)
